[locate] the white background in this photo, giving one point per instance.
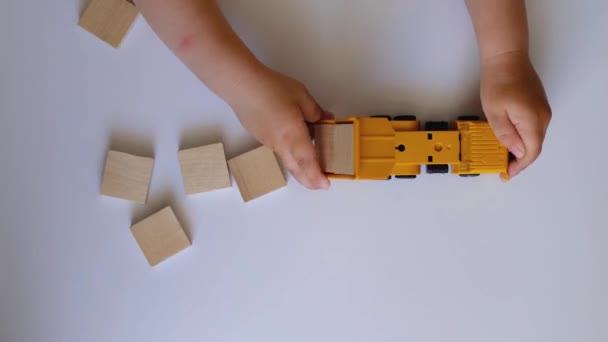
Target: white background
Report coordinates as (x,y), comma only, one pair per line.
(436,259)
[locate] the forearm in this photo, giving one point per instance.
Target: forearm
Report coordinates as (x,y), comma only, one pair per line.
(501,27)
(197,32)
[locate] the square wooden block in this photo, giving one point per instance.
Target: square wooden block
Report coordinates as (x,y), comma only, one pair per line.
(204,168)
(335,146)
(127,176)
(257,173)
(109,20)
(160,236)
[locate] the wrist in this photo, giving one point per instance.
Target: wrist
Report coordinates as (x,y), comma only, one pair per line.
(236,80)
(504,58)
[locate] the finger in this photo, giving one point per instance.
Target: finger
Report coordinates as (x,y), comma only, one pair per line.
(303,165)
(301,160)
(328,115)
(324,116)
(506,132)
(311,111)
(532,136)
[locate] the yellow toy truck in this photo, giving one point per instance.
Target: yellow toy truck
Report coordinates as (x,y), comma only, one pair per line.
(382,147)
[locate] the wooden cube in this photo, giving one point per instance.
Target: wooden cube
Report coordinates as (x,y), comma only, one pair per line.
(204,168)
(109,20)
(257,173)
(335,146)
(160,236)
(127,176)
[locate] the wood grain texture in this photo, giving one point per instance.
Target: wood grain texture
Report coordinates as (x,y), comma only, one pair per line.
(335,148)
(127,176)
(204,168)
(109,20)
(160,236)
(257,173)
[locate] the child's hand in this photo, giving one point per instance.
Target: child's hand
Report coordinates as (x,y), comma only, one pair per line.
(275,109)
(516,106)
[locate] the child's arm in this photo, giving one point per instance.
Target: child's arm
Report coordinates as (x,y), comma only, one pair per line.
(273,107)
(512,94)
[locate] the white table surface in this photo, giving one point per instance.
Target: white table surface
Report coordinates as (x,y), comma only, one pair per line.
(436,259)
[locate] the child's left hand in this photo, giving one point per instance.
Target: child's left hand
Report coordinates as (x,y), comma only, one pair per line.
(516,106)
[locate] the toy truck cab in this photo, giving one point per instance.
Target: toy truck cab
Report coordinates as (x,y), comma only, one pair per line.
(381,147)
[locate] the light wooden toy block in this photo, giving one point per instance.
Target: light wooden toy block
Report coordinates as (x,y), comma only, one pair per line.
(257,173)
(127,176)
(109,20)
(160,236)
(335,148)
(204,168)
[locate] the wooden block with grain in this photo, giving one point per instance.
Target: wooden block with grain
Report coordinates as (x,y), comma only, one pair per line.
(127,176)
(335,148)
(204,168)
(257,173)
(160,236)
(109,20)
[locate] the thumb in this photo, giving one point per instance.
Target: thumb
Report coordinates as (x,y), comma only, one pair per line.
(507,134)
(299,156)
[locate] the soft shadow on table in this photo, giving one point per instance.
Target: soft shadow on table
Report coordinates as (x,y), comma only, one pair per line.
(127,142)
(211,134)
(241,144)
(167,196)
(338,65)
(282,35)
(82,5)
(200,136)
(543,22)
(426,103)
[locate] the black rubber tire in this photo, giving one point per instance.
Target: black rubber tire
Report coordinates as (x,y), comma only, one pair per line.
(437,126)
(470,175)
(437,168)
(405,176)
(405,118)
(469,118)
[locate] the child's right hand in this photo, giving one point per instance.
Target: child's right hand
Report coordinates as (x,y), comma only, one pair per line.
(275,109)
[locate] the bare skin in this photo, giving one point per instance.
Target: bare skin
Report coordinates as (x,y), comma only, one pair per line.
(275,108)
(512,94)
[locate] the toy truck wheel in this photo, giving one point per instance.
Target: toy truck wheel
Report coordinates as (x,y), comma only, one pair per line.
(469,118)
(469,175)
(388,117)
(437,126)
(405,176)
(405,118)
(437,168)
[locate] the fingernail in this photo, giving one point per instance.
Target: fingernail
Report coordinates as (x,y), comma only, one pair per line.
(518,152)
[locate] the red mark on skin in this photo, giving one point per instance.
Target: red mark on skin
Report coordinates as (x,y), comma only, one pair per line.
(186,43)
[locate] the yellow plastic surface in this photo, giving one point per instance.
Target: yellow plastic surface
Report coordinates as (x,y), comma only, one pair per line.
(385,148)
(481,153)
